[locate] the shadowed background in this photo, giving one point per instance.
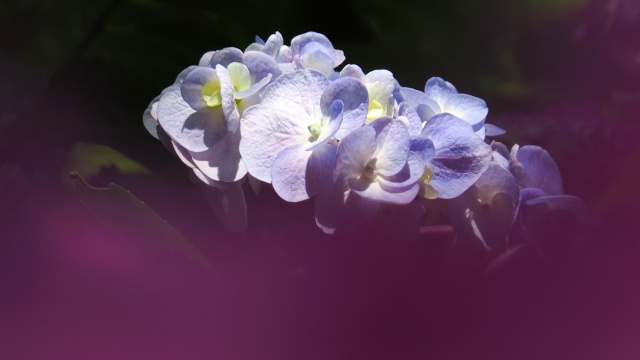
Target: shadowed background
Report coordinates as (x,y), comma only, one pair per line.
(100,275)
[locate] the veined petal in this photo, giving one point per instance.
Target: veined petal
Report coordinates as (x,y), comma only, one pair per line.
(267,129)
(466,107)
(298,174)
(298,42)
(355,151)
(317,57)
(423,147)
(393,148)
(460,158)
(439,90)
(414,98)
(331,127)
(195,131)
(406,177)
(414,121)
(229,107)
(497,179)
(201,89)
(534,168)
(355,98)
(254,88)
(222,162)
(303,88)
(373,191)
(226,56)
(260,66)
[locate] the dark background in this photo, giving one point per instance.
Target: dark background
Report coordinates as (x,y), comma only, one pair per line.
(106,278)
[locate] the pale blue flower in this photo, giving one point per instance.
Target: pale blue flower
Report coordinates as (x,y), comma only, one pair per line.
(485,211)
(287,138)
(496,206)
(373,166)
(232,81)
(454,156)
(312,50)
(274,47)
(381,87)
(441,96)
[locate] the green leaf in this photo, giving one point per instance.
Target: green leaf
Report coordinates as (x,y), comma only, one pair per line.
(129,217)
(89,159)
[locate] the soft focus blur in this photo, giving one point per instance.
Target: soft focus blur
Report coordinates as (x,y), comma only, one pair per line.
(99,274)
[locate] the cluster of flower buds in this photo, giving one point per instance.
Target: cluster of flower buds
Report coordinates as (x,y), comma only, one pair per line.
(352,141)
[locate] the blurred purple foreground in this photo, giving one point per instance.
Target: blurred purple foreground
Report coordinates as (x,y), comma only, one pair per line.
(74,286)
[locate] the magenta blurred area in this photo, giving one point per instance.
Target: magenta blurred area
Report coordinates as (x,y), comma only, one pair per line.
(73,286)
(72,289)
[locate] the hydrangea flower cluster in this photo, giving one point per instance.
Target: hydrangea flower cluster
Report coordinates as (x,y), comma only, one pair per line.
(351,140)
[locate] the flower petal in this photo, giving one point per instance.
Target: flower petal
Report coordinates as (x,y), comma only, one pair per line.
(266,130)
(192,89)
(195,131)
(353,71)
(354,95)
(460,158)
(150,117)
(273,44)
(497,179)
(414,98)
(331,127)
(485,211)
(260,66)
(374,191)
(205,60)
(493,130)
(298,174)
(500,154)
(414,121)
(423,147)
(466,107)
(226,56)
(316,56)
(222,162)
(534,168)
(229,107)
(355,150)
(406,177)
(393,148)
(303,88)
(439,90)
